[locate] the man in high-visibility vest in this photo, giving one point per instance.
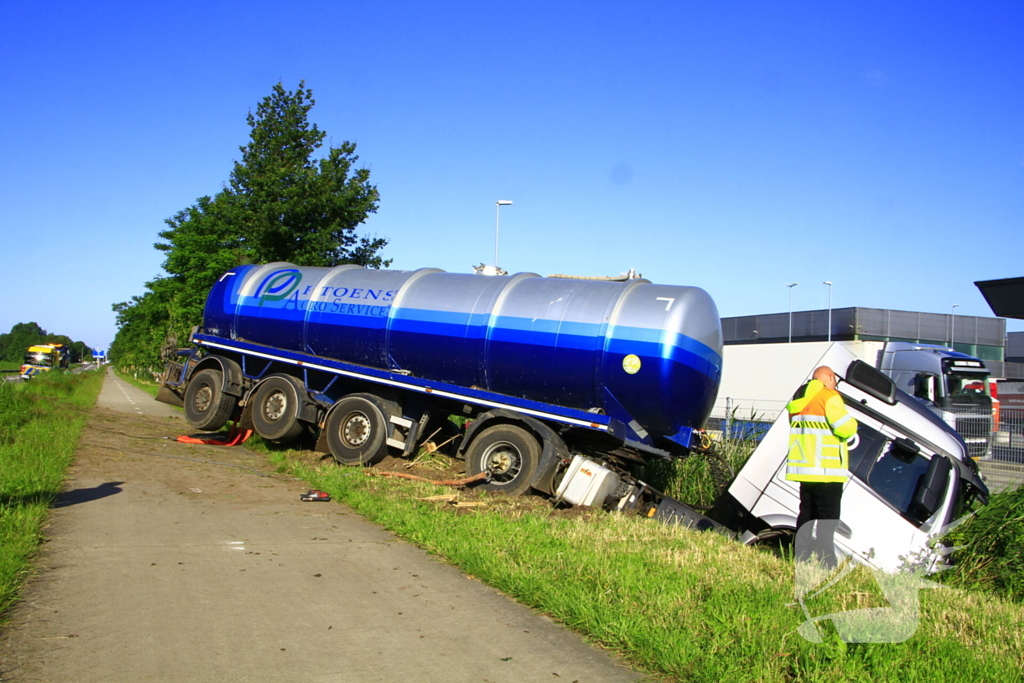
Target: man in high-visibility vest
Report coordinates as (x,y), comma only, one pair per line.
(819,427)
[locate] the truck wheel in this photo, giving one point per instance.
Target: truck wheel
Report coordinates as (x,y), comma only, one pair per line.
(510,453)
(275,410)
(207,407)
(357,430)
(778,541)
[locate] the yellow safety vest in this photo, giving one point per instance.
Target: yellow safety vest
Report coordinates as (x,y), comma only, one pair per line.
(818,429)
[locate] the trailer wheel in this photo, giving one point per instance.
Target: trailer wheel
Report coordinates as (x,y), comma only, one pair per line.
(357,430)
(275,410)
(207,407)
(510,453)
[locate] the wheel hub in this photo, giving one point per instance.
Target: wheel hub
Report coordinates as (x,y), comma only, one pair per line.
(275,406)
(356,430)
(503,461)
(203,399)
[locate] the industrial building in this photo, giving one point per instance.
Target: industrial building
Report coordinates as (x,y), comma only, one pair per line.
(982,337)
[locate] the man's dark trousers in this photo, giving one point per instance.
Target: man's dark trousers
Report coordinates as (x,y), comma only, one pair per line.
(820,501)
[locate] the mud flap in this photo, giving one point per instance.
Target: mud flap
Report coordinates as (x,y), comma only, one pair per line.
(166,395)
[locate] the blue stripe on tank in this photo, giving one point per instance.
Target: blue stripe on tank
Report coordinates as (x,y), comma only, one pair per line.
(538,331)
(645,342)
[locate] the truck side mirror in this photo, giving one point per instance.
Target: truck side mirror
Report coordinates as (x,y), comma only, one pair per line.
(931,489)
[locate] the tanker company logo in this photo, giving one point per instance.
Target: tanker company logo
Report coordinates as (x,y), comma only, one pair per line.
(631,364)
(283,286)
(278,285)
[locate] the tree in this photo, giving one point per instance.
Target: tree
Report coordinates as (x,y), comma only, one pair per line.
(295,208)
(282,203)
(15,343)
(143,325)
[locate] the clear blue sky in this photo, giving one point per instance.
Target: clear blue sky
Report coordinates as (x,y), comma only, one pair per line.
(735,146)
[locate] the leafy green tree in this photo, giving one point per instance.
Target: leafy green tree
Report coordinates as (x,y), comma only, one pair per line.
(296,208)
(285,201)
(23,335)
(143,325)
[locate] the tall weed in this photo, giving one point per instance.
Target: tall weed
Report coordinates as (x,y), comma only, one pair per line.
(15,410)
(990,548)
(701,477)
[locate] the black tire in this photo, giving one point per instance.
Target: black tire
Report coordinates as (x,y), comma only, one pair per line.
(510,453)
(207,407)
(357,428)
(778,541)
(275,409)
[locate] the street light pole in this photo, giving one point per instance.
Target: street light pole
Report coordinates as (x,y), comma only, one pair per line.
(829,283)
(952,326)
(791,285)
(497,219)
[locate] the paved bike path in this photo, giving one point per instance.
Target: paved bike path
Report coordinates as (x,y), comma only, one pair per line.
(163,567)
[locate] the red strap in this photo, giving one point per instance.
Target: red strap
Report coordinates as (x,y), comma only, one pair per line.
(235,437)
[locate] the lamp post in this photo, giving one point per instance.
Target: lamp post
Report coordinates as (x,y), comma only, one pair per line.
(952,326)
(497,220)
(791,285)
(829,283)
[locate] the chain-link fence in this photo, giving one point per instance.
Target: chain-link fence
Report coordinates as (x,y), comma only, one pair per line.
(1004,467)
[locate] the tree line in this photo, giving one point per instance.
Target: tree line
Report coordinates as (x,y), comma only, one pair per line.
(285,200)
(15,343)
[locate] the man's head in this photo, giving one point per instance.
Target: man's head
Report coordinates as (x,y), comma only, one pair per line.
(825,375)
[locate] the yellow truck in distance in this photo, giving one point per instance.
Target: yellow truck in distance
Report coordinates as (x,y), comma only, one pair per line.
(44,357)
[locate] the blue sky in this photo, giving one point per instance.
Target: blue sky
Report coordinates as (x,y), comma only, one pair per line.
(735,146)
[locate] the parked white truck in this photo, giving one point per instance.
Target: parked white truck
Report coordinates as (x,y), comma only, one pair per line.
(758,380)
(911,474)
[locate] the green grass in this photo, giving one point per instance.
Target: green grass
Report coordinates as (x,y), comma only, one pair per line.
(40,422)
(8,366)
(686,605)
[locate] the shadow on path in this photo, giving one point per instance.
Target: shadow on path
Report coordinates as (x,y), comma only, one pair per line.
(76,496)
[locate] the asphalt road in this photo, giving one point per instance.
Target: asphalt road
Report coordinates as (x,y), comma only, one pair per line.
(172,562)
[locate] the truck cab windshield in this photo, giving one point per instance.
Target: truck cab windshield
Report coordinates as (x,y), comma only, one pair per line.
(967,384)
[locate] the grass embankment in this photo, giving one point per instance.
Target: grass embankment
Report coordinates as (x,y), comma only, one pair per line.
(9,366)
(690,606)
(40,422)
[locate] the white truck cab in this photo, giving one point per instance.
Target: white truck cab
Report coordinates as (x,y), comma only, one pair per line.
(910,475)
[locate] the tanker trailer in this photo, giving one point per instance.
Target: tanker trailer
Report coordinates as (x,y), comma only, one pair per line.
(546,369)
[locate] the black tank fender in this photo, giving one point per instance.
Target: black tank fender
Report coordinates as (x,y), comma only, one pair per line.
(553,453)
(230,371)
